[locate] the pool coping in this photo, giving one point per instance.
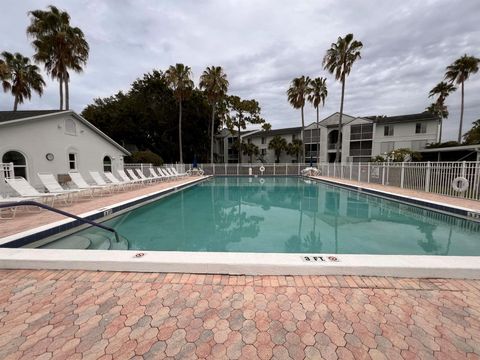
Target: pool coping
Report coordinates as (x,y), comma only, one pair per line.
(419,266)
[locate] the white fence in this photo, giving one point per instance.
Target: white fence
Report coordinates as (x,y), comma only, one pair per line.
(434,177)
(146,166)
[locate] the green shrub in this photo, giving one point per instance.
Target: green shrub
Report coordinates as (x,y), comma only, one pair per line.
(144,157)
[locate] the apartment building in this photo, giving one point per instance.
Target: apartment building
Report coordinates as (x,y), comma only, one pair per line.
(362,138)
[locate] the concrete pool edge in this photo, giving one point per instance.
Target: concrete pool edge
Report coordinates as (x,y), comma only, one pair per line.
(417,266)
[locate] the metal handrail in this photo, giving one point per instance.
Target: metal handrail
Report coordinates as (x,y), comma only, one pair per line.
(61,212)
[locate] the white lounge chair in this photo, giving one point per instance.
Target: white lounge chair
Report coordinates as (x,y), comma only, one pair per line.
(80,183)
(175,172)
(134,176)
(127,179)
(122,184)
(155,176)
(12,210)
(165,174)
(52,186)
(100,181)
(25,190)
(142,176)
(170,172)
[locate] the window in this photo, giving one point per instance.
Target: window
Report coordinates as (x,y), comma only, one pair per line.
(264,152)
(420,128)
(388,130)
(264,140)
(419,144)
(107,164)
(386,146)
(230,140)
(361,132)
(70,127)
(19,162)
(72,161)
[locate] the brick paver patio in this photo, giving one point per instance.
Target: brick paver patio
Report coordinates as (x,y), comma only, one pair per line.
(114,315)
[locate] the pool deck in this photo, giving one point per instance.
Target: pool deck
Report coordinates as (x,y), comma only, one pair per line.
(448,200)
(119,315)
(29,220)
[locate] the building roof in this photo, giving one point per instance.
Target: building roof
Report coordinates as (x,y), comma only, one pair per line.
(424,116)
(283,131)
(451,148)
(15,117)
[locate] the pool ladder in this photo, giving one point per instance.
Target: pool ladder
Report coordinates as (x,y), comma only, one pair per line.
(61,212)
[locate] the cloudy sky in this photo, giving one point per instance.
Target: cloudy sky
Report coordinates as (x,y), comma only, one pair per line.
(262,45)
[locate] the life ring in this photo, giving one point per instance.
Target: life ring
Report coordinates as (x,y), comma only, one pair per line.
(262,181)
(460,184)
(261,168)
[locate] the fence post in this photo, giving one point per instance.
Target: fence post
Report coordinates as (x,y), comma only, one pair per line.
(341,170)
(213,168)
(402,175)
(226,169)
(334,170)
(286,169)
(359,172)
(368,173)
(328,169)
(464,164)
(383,173)
(427,178)
(298,170)
(238,169)
(351,166)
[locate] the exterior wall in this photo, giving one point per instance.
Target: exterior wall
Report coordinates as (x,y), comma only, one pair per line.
(403,135)
(36,138)
(256,139)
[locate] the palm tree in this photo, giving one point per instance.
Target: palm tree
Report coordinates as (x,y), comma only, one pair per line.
(442,90)
(297,94)
(59,46)
(277,144)
(179,78)
(317,96)
(295,148)
(4,75)
(339,60)
(215,84)
(459,72)
(24,76)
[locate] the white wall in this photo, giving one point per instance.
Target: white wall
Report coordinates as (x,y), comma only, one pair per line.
(36,138)
(403,135)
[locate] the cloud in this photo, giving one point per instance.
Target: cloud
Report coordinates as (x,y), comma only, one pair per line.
(264,44)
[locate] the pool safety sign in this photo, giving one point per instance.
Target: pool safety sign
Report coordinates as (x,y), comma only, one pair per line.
(320,258)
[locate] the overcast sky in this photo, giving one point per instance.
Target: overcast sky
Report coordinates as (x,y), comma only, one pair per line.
(262,45)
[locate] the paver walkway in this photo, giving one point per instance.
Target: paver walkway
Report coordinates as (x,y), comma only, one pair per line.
(91,315)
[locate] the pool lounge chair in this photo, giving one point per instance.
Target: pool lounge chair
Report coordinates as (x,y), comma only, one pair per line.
(80,183)
(170,172)
(175,172)
(165,174)
(100,181)
(127,179)
(155,176)
(122,184)
(134,176)
(52,186)
(25,190)
(13,209)
(142,176)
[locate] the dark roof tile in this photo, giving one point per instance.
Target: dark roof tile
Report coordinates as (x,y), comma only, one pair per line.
(16,115)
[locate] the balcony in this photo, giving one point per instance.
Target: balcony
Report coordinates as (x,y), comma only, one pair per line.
(332,146)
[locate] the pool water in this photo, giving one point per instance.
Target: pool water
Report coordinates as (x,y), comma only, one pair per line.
(283,215)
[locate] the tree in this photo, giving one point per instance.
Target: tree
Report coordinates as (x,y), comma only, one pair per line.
(472,136)
(59,46)
(179,78)
(459,72)
(250,150)
(399,155)
(442,90)
(297,94)
(24,76)
(295,148)
(277,144)
(5,76)
(240,114)
(339,60)
(215,85)
(317,95)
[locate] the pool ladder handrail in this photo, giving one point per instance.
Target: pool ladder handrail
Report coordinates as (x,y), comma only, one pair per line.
(61,212)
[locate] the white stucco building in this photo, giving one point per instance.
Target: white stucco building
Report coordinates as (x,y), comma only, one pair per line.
(55,142)
(362,137)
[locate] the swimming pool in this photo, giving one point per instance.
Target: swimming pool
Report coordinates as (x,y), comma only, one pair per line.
(282,215)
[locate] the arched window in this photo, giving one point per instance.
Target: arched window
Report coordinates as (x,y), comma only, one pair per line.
(19,162)
(107,164)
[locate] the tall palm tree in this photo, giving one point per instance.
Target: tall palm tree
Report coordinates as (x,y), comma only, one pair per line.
(179,78)
(277,144)
(215,84)
(5,76)
(317,96)
(59,46)
(442,90)
(24,76)
(297,94)
(339,60)
(459,72)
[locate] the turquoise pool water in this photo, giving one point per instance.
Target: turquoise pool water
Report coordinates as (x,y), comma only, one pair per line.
(283,215)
